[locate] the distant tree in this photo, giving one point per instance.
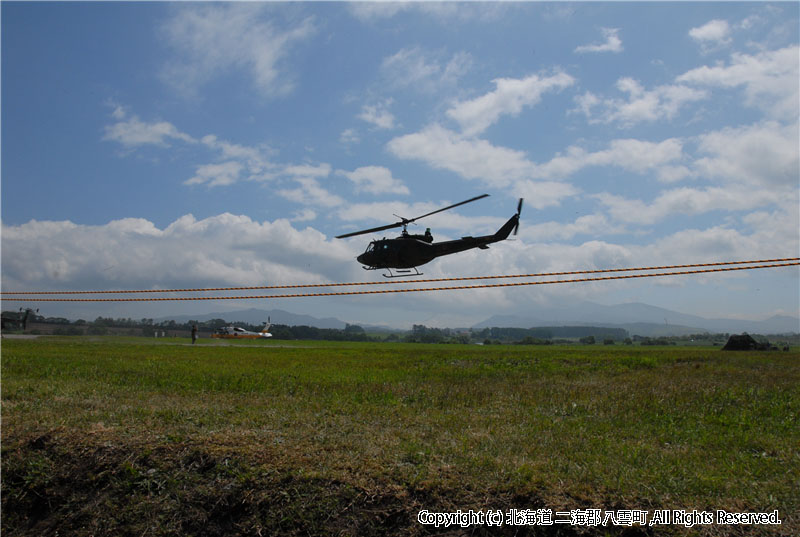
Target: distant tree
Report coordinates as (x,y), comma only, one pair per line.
(529,340)
(588,340)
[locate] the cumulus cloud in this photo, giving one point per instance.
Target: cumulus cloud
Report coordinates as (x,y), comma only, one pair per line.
(470,158)
(718,243)
(714,33)
(135,253)
(501,167)
(612,43)
(640,105)
(375,180)
(633,155)
(763,155)
(542,194)
(509,98)
(689,201)
(769,79)
(596,225)
(210,40)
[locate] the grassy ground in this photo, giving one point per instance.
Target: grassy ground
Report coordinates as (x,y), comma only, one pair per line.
(131,436)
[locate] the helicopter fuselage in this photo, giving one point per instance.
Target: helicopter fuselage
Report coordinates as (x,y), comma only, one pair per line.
(410,251)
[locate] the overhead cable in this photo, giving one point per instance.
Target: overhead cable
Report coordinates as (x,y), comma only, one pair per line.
(389,282)
(409,290)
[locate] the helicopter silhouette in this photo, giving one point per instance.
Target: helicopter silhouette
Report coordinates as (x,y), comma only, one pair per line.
(409,251)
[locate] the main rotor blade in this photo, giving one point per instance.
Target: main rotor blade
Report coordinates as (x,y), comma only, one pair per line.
(405,222)
(450,207)
(372,230)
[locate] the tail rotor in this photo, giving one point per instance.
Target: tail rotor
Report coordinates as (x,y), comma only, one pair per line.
(519,210)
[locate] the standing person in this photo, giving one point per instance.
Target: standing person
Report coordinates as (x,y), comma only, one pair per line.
(194,333)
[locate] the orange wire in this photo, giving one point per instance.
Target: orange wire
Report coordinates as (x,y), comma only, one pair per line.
(389,282)
(421,289)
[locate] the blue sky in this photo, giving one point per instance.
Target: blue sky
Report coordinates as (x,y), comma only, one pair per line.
(162,145)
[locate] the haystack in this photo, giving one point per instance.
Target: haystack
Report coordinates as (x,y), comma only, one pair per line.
(744,342)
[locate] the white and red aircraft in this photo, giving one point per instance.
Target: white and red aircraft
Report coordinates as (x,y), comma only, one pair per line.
(234,332)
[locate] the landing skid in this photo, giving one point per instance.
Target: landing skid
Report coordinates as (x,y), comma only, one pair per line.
(401,273)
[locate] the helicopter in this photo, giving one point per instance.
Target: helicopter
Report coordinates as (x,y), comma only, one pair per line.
(235,332)
(408,251)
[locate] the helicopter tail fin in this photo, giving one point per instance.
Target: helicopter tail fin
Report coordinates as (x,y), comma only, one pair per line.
(511,226)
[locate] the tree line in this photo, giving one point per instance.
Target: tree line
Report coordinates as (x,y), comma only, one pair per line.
(419,333)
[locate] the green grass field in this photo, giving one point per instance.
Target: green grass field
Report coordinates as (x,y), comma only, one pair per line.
(105,436)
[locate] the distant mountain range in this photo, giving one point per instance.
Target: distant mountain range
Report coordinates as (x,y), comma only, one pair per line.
(636,318)
(639,319)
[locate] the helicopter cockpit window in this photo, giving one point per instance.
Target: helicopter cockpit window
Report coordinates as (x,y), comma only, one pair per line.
(371,247)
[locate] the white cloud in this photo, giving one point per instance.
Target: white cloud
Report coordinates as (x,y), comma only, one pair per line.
(211,40)
(641,105)
(422,71)
(304,215)
(135,253)
(779,226)
(542,194)
(770,79)
(500,167)
(378,114)
(712,34)
(612,43)
(239,163)
(688,201)
(509,97)
(310,192)
(596,225)
(235,162)
(762,155)
(349,137)
(445,12)
(632,155)
(369,11)
(308,170)
(254,157)
(222,174)
(470,158)
(133,132)
(375,180)
(717,243)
